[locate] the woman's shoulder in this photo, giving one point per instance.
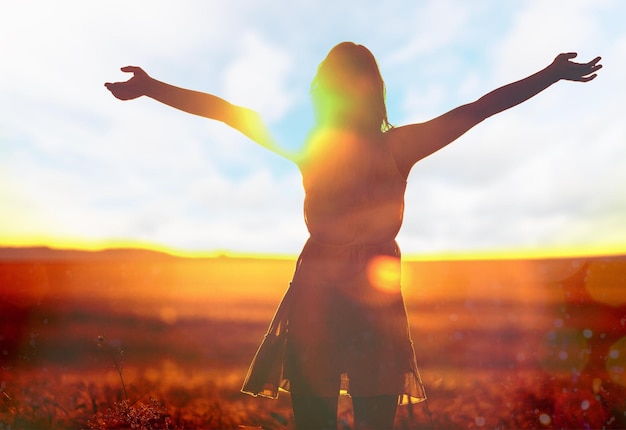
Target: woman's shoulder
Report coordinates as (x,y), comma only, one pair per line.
(404,142)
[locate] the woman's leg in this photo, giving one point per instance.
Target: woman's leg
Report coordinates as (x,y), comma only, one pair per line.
(314,413)
(374,413)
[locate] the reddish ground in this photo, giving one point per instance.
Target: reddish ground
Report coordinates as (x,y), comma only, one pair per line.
(500,344)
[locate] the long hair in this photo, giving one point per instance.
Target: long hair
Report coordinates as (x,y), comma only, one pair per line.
(348,90)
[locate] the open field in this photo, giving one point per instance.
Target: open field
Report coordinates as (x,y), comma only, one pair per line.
(500,344)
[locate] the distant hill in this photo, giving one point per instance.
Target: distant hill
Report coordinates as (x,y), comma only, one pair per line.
(44,253)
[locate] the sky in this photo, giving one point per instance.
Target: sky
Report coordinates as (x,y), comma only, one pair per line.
(79,168)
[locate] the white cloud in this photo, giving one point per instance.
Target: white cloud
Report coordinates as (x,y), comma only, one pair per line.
(436,25)
(545,174)
(541,30)
(257,76)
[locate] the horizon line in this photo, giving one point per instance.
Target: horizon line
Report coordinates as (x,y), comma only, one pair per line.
(475,255)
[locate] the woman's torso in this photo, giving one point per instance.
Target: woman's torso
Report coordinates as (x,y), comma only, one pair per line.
(354,193)
(354,203)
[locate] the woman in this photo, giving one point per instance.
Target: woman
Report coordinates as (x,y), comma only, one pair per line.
(342,325)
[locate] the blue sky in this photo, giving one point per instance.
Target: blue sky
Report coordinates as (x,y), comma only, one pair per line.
(78,167)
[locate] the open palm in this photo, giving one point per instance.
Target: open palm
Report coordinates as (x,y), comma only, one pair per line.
(133,88)
(572,71)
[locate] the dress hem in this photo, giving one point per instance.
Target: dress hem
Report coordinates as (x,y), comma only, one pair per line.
(403,399)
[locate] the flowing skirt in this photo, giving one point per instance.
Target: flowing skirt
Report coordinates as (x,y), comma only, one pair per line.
(337,334)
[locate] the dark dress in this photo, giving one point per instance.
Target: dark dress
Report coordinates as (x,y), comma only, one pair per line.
(342,325)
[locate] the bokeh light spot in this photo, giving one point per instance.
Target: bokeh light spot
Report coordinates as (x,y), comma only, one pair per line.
(545,419)
(584,405)
(616,361)
(597,385)
(565,351)
(579,409)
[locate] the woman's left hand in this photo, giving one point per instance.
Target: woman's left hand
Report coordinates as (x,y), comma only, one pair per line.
(564,68)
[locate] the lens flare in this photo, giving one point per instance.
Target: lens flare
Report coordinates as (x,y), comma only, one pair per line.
(606,281)
(383,272)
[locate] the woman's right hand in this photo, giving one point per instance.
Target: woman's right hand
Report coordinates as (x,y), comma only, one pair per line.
(136,86)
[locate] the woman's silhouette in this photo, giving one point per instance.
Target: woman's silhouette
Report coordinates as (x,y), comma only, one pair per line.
(342,325)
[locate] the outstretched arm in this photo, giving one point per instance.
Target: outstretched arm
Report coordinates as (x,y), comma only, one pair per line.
(245,120)
(413,142)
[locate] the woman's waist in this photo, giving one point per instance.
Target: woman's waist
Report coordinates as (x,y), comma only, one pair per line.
(338,232)
(348,267)
(356,245)
(344,259)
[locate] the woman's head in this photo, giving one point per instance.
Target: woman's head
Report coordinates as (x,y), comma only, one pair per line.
(348,89)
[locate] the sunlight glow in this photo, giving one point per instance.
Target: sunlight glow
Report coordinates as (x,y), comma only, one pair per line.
(56,241)
(513,253)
